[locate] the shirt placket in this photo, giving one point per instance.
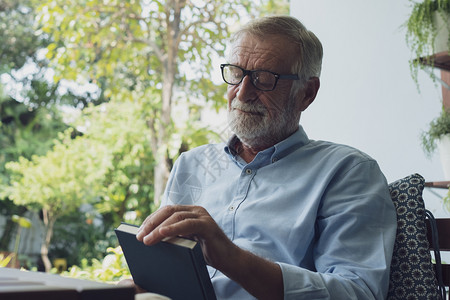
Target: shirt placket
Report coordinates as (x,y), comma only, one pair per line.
(242,189)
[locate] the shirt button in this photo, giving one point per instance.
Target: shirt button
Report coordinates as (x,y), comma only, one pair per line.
(274,159)
(248,171)
(231,208)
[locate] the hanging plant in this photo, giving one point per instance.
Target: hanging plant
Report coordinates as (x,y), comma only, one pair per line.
(438,127)
(421,32)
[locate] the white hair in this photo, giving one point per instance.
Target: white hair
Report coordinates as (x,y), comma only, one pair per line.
(308,63)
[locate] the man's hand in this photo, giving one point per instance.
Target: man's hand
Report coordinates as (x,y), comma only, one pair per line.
(191,222)
(261,278)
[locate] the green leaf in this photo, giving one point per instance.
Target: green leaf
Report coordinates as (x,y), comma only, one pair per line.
(22,221)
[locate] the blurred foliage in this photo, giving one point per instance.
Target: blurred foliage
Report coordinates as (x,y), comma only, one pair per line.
(5,259)
(23,223)
(139,48)
(276,7)
(111,269)
(438,127)
(98,167)
(18,43)
(143,58)
(83,235)
(30,115)
(121,137)
(25,131)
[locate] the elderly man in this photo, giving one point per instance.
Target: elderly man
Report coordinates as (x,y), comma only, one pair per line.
(279,215)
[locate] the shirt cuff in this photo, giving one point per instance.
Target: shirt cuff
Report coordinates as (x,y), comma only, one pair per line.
(300,283)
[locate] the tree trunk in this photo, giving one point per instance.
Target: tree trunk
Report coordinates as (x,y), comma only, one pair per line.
(161,175)
(49,221)
(169,69)
(162,167)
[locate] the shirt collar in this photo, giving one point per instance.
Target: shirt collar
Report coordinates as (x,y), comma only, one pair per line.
(280,150)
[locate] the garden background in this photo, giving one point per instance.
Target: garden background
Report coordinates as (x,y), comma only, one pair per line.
(97,100)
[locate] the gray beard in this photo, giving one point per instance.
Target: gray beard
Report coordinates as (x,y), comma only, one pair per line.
(257,130)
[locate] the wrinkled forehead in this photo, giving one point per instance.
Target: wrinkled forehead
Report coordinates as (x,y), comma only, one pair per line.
(271,52)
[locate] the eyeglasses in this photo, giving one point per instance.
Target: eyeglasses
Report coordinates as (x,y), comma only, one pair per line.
(261,79)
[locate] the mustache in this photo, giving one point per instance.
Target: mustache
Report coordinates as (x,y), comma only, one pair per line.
(255,107)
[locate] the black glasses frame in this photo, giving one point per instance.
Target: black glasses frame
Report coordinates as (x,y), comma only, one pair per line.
(251,72)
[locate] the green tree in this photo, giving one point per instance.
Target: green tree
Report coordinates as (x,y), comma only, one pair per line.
(30,118)
(108,165)
(23,132)
(137,52)
(127,185)
(18,43)
(58,182)
(22,60)
(142,49)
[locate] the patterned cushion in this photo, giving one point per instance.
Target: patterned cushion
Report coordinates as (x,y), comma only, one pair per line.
(412,273)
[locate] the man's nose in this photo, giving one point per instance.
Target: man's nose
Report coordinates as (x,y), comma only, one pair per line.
(247,91)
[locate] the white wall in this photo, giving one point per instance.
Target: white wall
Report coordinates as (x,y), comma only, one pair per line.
(367,98)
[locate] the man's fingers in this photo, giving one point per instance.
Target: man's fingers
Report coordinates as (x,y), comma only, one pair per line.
(181,225)
(154,220)
(175,225)
(170,221)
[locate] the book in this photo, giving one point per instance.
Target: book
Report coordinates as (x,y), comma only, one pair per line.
(174,267)
(24,285)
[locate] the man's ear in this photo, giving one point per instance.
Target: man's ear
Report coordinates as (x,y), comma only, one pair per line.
(309,92)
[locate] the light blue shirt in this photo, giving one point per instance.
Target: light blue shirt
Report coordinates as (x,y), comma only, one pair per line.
(322,211)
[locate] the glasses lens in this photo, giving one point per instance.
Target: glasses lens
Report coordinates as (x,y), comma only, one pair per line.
(264,80)
(232,74)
